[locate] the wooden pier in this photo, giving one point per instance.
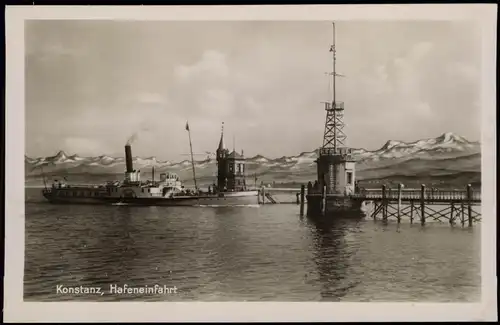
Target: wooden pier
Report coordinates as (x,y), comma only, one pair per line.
(419,205)
(268,195)
(422,204)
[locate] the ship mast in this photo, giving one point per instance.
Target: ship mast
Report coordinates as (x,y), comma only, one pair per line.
(192,159)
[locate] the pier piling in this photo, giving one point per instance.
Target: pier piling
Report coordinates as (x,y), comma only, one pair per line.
(469,207)
(411,212)
(452,217)
(324,207)
(384,203)
(302,192)
(400,187)
(422,204)
(462,213)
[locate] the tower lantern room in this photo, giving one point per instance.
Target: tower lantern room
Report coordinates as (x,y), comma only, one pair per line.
(335,164)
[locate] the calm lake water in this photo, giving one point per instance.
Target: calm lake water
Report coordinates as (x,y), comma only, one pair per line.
(266,253)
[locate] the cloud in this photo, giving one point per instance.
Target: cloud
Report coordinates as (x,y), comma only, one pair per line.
(423,110)
(217,102)
(420,51)
(54,51)
(212,64)
(462,71)
(151,98)
(206,89)
(393,89)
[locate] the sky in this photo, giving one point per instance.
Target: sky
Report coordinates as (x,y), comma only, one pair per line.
(91,85)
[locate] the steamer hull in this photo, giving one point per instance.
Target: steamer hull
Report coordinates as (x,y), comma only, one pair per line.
(221,199)
(243,198)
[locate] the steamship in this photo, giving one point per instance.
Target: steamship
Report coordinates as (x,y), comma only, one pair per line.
(230,190)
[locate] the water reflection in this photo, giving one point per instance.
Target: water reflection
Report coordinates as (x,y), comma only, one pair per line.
(331,256)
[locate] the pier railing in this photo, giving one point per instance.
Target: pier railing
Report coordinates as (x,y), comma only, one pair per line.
(416,194)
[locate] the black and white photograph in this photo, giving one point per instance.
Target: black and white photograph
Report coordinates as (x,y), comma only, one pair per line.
(199,156)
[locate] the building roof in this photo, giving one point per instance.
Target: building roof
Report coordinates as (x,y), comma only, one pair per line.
(222,146)
(235,155)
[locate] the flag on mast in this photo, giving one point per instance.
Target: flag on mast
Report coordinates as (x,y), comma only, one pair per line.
(187,126)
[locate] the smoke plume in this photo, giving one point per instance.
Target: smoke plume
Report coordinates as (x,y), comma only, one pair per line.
(132,139)
(135,136)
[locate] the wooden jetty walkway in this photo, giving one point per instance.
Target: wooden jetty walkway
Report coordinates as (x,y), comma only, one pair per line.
(439,205)
(266,195)
(416,204)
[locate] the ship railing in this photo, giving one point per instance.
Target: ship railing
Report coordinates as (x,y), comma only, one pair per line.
(83,186)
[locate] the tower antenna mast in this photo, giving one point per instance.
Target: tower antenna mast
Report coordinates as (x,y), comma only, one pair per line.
(332,49)
(334,136)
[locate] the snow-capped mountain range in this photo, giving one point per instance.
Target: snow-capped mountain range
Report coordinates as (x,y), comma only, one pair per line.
(445,146)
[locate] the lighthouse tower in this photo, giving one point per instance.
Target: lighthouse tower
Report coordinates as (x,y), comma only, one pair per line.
(222,170)
(230,168)
(335,165)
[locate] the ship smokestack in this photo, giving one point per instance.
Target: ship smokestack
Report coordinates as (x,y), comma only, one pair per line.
(128,158)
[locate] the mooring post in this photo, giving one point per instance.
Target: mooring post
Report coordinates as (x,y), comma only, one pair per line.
(411,212)
(452,218)
(384,203)
(422,204)
(302,192)
(400,187)
(263,190)
(313,206)
(323,200)
(462,213)
(469,204)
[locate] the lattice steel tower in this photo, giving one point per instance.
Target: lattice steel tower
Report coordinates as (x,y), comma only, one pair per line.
(335,164)
(334,135)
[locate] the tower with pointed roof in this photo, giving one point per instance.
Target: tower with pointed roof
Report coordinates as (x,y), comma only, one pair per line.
(230,168)
(222,154)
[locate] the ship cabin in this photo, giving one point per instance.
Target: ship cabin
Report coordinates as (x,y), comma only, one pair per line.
(61,189)
(168,185)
